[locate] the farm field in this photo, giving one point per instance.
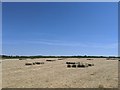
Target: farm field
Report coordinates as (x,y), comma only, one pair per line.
(0,74)
(56,74)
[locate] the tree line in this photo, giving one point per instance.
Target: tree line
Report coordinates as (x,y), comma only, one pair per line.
(39,56)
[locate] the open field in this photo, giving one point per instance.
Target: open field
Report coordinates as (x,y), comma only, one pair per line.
(0,74)
(56,74)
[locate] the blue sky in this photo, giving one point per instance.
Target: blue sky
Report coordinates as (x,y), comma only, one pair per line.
(60,28)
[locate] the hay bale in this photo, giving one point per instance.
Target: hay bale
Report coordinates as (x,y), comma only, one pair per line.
(81,65)
(67,62)
(89,59)
(73,63)
(50,60)
(28,63)
(37,63)
(68,65)
(33,63)
(78,65)
(60,59)
(74,66)
(89,64)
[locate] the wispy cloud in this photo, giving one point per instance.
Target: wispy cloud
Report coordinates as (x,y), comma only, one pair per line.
(77,44)
(57,43)
(68,44)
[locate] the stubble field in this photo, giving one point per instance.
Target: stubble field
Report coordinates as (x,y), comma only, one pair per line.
(56,74)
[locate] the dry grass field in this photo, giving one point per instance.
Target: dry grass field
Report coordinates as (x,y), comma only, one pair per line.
(56,74)
(0,73)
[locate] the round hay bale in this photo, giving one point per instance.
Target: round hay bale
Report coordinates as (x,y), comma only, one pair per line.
(37,63)
(81,65)
(89,64)
(67,62)
(74,66)
(72,62)
(29,63)
(78,65)
(48,60)
(33,63)
(89,59)
(68,65)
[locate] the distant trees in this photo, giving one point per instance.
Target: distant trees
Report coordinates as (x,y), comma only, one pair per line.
(39,56)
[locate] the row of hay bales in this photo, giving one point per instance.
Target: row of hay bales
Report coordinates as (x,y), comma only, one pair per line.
(78,64)
(34,63)
(38,63)
(111,58)
(55,60)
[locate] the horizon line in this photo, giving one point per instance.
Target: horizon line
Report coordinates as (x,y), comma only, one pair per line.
(63,55)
